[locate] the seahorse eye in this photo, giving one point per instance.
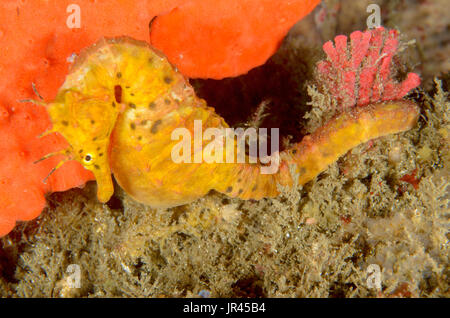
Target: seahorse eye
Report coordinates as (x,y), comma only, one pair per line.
(88,159)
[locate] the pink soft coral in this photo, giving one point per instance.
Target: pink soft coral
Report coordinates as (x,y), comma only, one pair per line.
(360,73)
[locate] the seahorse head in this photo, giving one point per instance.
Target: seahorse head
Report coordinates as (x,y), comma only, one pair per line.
(87,123)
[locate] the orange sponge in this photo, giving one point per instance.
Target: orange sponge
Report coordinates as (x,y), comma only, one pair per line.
(225,38)
(21,187)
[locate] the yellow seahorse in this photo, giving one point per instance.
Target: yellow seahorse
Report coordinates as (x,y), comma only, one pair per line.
(122,100)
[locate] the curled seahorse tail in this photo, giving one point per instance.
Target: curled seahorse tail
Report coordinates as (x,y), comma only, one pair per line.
(306,159)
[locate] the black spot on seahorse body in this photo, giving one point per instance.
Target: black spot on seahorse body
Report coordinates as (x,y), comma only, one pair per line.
(118,93)
(167,79)
(119,75)
(133,126)
(151,105)
(132,105)
(167,101)
(65,123)
(155,125)
(229,189)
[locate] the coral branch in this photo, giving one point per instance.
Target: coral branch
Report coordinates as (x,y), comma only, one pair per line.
(362,72)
